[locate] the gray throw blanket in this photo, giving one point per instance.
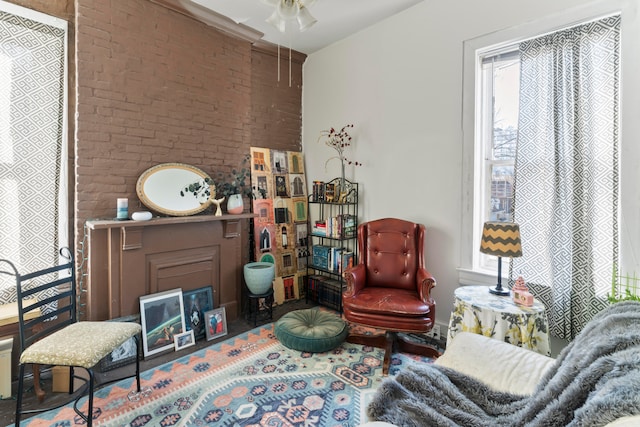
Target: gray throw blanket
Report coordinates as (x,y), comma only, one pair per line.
(595,380)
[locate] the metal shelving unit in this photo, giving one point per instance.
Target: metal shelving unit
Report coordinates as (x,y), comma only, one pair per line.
(333,213)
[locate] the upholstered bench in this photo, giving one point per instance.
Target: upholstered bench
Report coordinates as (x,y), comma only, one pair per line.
(311,330)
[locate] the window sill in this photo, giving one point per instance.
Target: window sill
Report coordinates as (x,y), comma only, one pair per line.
(478,277)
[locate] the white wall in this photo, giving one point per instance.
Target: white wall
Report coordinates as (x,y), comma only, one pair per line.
(400,83)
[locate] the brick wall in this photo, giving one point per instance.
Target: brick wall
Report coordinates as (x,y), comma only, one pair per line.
(155,86)
(276,114)
(148,85)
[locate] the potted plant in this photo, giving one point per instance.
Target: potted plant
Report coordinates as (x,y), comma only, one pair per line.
(234,186)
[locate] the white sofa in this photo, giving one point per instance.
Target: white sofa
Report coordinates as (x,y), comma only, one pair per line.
(500,365)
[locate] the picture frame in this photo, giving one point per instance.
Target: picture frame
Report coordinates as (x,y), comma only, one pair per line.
(216,321)
(161,317)
(126,353)
(184,340)
(197,302)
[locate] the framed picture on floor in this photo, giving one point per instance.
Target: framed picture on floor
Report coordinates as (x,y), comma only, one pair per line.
(216,322)
(124,354)
(161,317)
(184,340)
(196,303)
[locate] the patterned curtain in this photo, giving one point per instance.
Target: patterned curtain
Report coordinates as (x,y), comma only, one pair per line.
(32,132)
(566,174)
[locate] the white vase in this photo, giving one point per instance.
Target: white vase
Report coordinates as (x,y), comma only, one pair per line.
(235,205)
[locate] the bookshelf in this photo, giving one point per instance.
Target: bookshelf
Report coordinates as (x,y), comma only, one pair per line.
(333,214)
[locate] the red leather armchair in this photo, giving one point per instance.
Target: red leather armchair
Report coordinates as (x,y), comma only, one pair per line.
(390,288)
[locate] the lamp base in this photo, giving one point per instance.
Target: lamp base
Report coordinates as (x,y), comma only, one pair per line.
(499,290)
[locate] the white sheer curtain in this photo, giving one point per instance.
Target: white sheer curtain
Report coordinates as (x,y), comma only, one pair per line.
(566,173)
(33,149)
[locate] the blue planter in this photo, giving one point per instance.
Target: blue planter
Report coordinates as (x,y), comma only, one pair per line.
(259,276)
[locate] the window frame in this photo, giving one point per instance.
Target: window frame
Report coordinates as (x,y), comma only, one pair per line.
(470,270)
(485,161)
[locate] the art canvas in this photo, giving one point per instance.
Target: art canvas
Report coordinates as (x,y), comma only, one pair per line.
(162,317)
(196,303)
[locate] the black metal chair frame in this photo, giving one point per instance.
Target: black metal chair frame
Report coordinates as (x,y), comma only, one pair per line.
(33,329)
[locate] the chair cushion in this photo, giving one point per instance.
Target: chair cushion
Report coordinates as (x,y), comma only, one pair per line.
(311,330)
(388,301)
(81,344)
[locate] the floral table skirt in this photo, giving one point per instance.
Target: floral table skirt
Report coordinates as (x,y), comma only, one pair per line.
(478,311)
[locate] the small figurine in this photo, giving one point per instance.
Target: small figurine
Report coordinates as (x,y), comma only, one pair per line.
(217,203)
(521,294)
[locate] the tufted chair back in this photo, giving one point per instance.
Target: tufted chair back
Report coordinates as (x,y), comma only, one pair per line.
(392,251)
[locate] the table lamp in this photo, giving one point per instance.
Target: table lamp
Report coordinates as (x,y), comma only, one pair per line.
(501,239)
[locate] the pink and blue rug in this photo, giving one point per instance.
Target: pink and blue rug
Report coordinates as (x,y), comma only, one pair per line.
(247,380)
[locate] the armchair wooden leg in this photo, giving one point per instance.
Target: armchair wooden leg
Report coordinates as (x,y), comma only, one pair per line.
(391,342)
(406,346)
(384,342)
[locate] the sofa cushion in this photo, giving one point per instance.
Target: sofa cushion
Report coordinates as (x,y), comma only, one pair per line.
(475,355)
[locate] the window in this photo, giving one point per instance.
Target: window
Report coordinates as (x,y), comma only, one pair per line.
(498,121)
(33,149)
(546,150)
(489,63)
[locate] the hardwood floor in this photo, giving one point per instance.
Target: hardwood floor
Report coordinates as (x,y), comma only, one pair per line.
(236,327)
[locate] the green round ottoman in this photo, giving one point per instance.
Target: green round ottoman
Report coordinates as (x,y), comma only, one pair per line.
(311,330)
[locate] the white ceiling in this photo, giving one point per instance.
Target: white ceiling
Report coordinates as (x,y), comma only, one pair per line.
(337,19)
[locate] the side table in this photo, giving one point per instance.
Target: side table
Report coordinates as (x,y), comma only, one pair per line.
(478,311)
(260,305)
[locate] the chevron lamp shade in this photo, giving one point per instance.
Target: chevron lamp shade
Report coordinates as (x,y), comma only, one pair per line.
(501,239)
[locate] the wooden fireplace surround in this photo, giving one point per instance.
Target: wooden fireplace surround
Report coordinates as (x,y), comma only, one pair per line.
(129,259)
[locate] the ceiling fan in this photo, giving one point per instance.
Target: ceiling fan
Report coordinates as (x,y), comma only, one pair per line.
(289,11)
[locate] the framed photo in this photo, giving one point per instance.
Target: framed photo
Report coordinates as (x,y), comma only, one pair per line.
(124,354)
(184,340)
(216,321)
(196,303)
(162,317)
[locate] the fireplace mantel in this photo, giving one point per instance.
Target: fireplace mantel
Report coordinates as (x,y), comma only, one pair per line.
(129,259)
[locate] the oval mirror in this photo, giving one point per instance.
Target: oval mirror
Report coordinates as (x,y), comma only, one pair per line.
(175,189)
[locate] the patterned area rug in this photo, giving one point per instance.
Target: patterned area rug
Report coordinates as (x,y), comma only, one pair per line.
(248,380)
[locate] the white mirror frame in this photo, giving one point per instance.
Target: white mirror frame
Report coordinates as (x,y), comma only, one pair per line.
(164,189)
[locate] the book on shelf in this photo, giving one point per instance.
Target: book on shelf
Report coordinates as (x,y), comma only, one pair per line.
(338,227)
(325,290)
(319,228)
(317,193)
(347,261)
(320,256)
(348,225)
(335,259)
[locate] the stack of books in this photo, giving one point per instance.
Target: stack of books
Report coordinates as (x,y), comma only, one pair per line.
(332,259)
(325,291)
(338,227)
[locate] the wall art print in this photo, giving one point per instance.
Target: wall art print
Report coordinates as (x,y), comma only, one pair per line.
(281,225)
(196,303)
(161,317)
